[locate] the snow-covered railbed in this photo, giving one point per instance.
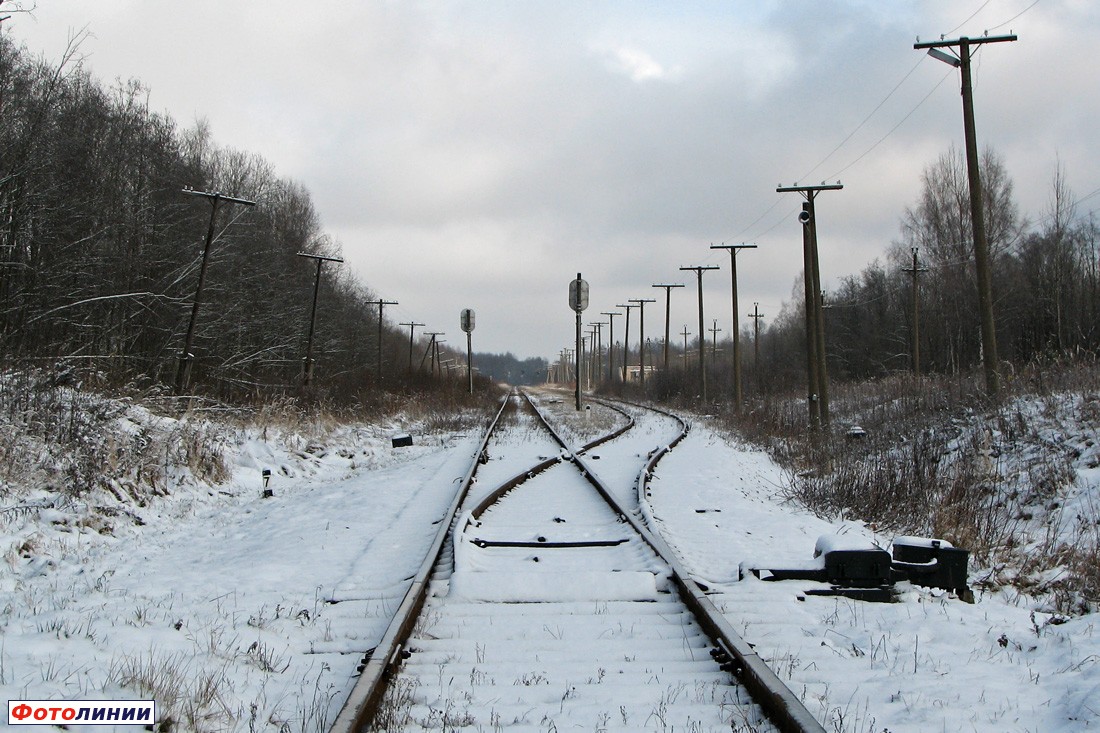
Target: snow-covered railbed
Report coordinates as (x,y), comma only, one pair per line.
(554,613)
(927,662)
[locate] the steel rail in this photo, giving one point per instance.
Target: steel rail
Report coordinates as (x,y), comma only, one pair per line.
(367,691)
(494,496)
(777,700)
(774,698)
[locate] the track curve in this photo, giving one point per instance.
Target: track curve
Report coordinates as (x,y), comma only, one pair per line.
(548,602)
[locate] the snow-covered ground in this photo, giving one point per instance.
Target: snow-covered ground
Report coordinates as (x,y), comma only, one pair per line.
(221,600)
(234,611)
(928,662)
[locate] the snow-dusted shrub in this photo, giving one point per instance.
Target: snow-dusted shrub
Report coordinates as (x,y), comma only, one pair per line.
(1015,482)
(57,436)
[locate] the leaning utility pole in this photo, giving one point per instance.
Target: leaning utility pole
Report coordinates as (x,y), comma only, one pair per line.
(183,372)
(982,266)
(699,270)
(307,371)
(641,335)
(412,328)
(430,351)
(381,303)
(610,343)
(915,271)
(668,308)
(815,322)
(437,357)
(626,340)
(733,249)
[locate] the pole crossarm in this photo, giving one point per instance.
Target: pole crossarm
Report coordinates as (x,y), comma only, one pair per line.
(956,41)
(218,196)
(324,258)
(810,191)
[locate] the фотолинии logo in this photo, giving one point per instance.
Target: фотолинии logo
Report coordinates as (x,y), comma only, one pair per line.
(88,712)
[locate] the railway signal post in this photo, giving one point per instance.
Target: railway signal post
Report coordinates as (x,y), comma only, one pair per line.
(578,301)
(466,320)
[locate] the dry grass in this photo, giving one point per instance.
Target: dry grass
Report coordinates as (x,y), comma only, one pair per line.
(53,433)
(941,460)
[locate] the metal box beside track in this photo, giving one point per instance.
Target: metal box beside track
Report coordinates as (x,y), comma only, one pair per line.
(853,563)
(931,563)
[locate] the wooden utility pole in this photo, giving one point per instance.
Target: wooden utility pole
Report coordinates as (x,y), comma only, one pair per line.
(610,343)
(641,335)
(412,327)
(437,357)
(183,372)
(685,334)
(668,308)
(733,249)
(597,328)
(915,271)
(381,303)
(430,351)
(756,315)
(699,270)
(817,374)
(982,267)
(626,340)
(714,331)
(307,371)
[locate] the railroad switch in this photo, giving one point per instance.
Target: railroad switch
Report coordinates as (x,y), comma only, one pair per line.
(857,568)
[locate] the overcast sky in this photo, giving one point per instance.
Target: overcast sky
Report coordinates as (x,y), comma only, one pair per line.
(480,154)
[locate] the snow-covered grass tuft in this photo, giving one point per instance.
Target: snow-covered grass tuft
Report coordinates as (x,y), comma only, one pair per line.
(188,695)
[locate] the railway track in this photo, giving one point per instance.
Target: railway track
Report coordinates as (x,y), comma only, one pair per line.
(547,603)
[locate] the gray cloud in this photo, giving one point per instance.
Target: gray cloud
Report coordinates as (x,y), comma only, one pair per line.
(480,154)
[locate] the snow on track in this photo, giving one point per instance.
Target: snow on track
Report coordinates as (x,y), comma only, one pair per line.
(553,614)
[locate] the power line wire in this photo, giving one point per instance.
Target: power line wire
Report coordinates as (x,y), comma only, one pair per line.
(757,220)
(895,127)
(858,127)
(1014,17)
(972,15)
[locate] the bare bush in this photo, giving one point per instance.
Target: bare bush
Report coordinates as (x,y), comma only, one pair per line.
(938,459)
(77,441)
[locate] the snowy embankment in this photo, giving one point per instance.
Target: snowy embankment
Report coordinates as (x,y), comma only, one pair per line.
(928,662)
(211,599)
(166,576)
